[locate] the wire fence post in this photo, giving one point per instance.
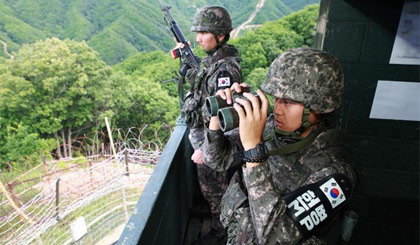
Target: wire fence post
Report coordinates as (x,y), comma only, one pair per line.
(127,172)
(116,158)
(90,173)
(57,199)
(124,204)
(110,137)
(14,206)
(44,163)
(10,188)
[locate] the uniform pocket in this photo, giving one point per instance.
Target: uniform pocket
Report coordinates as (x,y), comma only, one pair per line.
(232,200)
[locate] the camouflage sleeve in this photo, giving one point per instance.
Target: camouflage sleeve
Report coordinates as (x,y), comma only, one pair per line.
(191,74)
(234,72)
(222,151)
(196,137)
(267,208)
(226,75)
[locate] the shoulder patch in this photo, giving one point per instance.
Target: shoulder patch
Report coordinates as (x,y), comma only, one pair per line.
(312,206)
(224,79)
(223,82)
(333,192)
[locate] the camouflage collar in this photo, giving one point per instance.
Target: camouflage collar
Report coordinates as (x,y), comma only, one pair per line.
(328,138)
(225,50)
(299,144)
(320,137)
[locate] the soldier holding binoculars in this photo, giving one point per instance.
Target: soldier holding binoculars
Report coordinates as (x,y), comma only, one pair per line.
(295,177)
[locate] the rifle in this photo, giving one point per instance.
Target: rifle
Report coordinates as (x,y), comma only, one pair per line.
(188,59)
(186,54)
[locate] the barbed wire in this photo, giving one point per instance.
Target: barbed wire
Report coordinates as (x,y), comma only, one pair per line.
(101,192)
(131,139)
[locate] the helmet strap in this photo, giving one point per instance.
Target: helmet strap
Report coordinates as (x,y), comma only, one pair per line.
(218,44)
(305,124)
(216,37)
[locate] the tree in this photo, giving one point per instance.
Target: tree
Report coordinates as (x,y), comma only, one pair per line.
(22,145)
(268,40)
(139,102)
(142,102)
(303,23)
(295,30)
(54,86)
(254,57)
(256,77)
(154,66)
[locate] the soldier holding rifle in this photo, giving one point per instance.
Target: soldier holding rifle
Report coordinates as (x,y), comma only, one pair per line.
(219,70)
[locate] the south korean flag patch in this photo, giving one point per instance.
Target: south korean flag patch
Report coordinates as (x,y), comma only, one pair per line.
(223,82)
(312,206)
(333,192)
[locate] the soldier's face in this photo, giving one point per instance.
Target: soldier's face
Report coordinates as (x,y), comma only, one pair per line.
(206,40)
(288,114)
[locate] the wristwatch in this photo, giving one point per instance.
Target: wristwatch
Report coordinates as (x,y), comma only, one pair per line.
(257,154)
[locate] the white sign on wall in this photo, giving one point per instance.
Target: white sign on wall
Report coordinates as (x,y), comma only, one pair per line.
(406,48)
(396,100)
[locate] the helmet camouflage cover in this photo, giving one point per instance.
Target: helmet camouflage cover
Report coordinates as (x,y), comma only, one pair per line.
(213,19)
(308,76)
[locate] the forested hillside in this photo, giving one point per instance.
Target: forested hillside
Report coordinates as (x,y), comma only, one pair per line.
(117,29)
(55,92)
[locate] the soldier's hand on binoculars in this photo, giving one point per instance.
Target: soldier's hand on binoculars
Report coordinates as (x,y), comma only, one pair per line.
(226,94)
(212,104)
(251,121)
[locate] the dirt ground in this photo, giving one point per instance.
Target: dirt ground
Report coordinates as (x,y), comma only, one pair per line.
(79,181)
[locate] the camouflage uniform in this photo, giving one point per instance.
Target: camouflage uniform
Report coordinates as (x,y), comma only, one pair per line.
(252,207)
(253,210)
(224,62)
(220,70)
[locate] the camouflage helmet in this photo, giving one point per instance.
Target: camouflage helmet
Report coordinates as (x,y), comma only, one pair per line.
(213,19)
(308,76)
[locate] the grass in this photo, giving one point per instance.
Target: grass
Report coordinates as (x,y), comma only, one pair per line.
(61,232)
(23,179)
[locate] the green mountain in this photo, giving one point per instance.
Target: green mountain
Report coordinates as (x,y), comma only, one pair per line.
(275,9)
(117,29)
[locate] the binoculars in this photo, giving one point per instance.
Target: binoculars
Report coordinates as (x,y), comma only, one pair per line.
(227,115)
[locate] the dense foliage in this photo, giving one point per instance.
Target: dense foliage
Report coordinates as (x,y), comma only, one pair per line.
(55,91)
(260,47)
(117,29)
(61,89)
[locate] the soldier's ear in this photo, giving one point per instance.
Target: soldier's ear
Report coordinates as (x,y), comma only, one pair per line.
(221,38)
(315,117)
